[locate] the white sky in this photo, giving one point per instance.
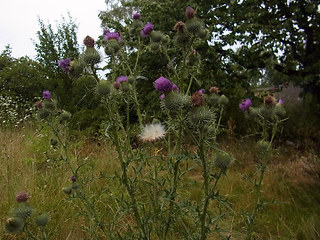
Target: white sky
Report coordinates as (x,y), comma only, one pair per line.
(19,21)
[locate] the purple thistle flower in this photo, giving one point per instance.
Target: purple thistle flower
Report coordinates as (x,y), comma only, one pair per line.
(148,28)
(245,104)
(121,79)
(280,102)
(162,96)
(190,13)
(46,95)
(136,16)
(202,91)
(73,179)
(175,88)
(163,85)
(109,35)
(65,64)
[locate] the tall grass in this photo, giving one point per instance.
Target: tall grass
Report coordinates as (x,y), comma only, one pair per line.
(26,163)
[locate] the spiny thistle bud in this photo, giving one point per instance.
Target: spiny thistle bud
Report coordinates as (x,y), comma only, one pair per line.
(42,220)
(131,79)
(67,190)
(202,33)
(75,185)
(65,117)
(112,47)
(200,117)
(165,40)
(279,110)
(103,88)
(137,25)
(125,87)
(222,160)
(174,101)
(43,113)
(266,112)
(156,36)
(23,210)
(269,101)
(193,58)
(194,25)
(49,105)
(263,146)
(213,100)
(91,56)
(224,100)
(22,196)
(190,13)
(14,224)
(154,46)
(253,112)
(214,90)
(77,67)
(182,39)
(88,42)
(197,99)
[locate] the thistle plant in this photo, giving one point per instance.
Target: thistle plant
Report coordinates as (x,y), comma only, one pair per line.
(151,179)
(269,116)
(24,219)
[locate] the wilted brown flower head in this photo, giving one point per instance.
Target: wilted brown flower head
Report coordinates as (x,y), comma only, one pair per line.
(197,99)
(22,196)
(179,27)
(116,85)
(269,101)
(88,41)
(214,90)
(39,104)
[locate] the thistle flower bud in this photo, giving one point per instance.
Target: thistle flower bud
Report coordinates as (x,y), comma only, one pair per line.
(67,190)
(154,46)
(125,87)
(174,101)
(65,117)
(165,39)
(263,146)
(103,88)
(279,110)
(213,100)
(197,99)
(88,42)
(190,13)
(156,36)
(222,160)
(224,100)
(131,79)
(266,112)
(182,39)
(91,56)
(269,101)
(194,25)
(202,33)
(23,210)
(200,117)
(14,224)
(77,67)
(193,58)
(43,113)
(42,220)
(22,196)
(75,185)
(112,47)
(49,105)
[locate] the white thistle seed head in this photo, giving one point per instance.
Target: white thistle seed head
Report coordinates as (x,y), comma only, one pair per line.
(152,132)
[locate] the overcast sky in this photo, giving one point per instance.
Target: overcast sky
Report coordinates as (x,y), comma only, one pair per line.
(19,21)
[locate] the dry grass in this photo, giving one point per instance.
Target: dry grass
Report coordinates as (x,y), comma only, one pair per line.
(292,179)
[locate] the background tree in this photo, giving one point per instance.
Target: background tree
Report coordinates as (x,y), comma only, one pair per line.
(54,45)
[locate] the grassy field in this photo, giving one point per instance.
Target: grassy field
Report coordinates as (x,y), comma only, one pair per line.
(28,163)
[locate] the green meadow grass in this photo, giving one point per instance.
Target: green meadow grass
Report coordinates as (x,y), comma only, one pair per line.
(27,162)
